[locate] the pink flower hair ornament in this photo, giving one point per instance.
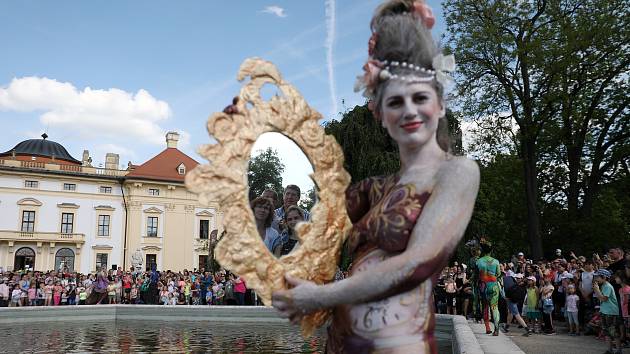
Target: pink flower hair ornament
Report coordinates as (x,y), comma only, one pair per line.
(423,12)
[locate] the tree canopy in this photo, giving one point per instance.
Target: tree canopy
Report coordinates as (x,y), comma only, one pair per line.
(265,171)
(558,70)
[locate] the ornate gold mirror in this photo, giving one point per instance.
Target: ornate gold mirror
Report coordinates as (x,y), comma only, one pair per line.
(224,181)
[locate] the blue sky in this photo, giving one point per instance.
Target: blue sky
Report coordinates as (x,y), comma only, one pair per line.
(114,76)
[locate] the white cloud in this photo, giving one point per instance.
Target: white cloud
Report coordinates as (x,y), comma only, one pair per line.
(111,114)
(275,10)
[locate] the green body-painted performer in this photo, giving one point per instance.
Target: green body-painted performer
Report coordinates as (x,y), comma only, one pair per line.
(489,286)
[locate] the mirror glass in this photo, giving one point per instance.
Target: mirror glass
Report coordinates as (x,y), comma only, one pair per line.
(278,180)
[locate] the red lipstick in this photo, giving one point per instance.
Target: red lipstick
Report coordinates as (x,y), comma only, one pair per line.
(411,126)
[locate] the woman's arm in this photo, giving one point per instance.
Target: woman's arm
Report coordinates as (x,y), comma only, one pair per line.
(435,236)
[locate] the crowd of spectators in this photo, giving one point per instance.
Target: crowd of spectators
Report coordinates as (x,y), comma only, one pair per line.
(590,294)
(61,288)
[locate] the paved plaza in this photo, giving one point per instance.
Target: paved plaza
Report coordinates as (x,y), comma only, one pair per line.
(560,343)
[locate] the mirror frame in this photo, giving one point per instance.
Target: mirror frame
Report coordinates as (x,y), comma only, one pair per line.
(224,180)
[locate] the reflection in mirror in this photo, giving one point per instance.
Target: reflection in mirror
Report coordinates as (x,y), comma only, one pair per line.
(281,193)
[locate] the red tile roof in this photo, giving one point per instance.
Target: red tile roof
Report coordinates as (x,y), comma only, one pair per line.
(163,167)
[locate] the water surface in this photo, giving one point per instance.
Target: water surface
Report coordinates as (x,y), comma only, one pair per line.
(150,336)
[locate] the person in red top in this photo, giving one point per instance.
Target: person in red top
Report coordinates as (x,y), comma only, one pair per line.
(127,282)
(239,289)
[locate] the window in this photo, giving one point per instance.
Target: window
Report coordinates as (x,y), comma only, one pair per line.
(204,225)
(31,184)
(151,260)
(152,226)
(28,221)
(181,169)
(204,262)
(103,225)
(105,189)
(154,191)
(67,221)
(69,187)
(101,260)
(64,259)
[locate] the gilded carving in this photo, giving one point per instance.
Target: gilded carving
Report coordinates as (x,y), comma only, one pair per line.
(224,181)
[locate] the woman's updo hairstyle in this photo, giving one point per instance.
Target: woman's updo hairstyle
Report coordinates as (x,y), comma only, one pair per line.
(400,36)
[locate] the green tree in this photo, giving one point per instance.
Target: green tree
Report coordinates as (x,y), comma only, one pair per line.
(367,148)
(310,200)
(589,137)
(499,212)
(559,70)
(265,171)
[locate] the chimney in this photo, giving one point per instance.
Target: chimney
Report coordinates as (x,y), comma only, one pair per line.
(171,140)
(111,161)
(85,161)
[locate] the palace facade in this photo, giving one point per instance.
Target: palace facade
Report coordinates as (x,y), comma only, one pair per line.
(58,212)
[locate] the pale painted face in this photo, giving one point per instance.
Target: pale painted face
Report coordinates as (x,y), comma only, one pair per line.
(410,113)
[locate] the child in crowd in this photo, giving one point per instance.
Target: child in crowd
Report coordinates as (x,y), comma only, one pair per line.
(127,288)
(548,307)
(82,295)
(219,293)
(119,290)
(111,292)
(32,295)
(173,297)
(16,295)
(608,309)
(133,295)
(72,294)
(624,297)
(164,295)
(64,298)
(209,295)
(530,304)
(187,288)
(572,304)
(195,292)
(48,290)
(57,289)
(41,295)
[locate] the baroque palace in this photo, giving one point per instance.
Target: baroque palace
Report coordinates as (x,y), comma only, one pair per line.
(57,212)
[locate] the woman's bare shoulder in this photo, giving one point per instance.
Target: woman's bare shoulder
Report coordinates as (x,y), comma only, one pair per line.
(460,170)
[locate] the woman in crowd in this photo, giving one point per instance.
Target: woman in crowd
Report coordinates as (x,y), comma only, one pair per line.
(461,282)
(408,224)
(263,214)
(239,289)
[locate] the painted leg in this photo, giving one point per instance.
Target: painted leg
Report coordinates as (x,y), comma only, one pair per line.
(486,314)
(495,317)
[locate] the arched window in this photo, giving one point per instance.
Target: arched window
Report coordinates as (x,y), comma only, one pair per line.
(25,252)
(64,259)
(24,258)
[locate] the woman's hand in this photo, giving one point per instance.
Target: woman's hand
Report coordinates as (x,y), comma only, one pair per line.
(296,302)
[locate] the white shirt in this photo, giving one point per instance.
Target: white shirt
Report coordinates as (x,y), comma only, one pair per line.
(4,291)
(587,283)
